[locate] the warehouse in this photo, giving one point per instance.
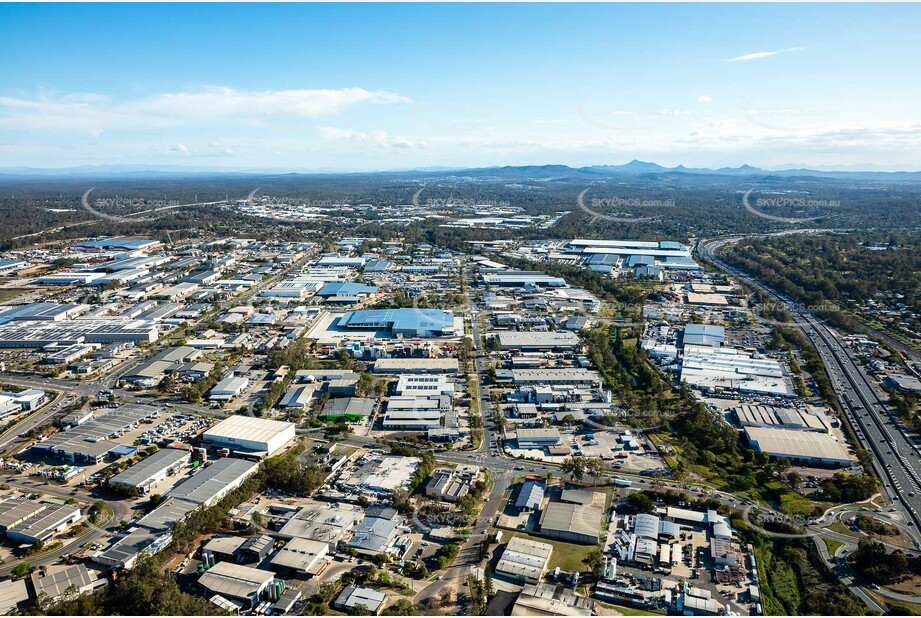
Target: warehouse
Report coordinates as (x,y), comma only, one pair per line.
(531,341)
(150,471)
(800,447)
(408,322)
(14,511)
(237,582)
(522,278)
(575,376)
(704,335)
(41,333)
(373,536)
(298,397)
(423,385)
(757,415)
(56,584)
(415,413)
(44,524)
(524,559)
(714,369)
(228,388)
(69,278)
(322,522)
(352,409)
(118,244)
(50,312)
(577,523)
(214,482)
(13,596)
(537,438)
(339,292)
(131,545)
(302,556)
(352,596)
(152,372)
(381,474)
(415,365)
(250,435)
(89,442)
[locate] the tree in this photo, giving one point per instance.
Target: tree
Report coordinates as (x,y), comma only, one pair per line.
(574,467)
(641,502)
(594,467)
(594,561)
(21,570)
(360,609)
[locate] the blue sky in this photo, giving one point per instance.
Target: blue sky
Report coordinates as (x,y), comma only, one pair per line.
(372,86)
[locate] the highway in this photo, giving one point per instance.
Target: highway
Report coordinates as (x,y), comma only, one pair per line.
(874,423)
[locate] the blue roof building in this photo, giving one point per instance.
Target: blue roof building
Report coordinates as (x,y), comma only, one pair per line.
(346,290)
(409,322)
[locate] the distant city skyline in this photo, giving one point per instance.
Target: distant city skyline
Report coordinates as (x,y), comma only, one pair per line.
(389,87)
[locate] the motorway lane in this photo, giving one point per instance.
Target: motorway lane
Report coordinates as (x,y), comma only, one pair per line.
(896,459)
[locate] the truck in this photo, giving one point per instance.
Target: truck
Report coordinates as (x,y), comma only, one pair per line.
(623,482)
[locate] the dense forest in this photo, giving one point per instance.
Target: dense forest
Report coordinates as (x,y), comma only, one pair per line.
(676,206)
(834,273)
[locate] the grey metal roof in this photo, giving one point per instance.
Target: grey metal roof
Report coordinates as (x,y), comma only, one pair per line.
(234,580)
(143,472)
(213,480)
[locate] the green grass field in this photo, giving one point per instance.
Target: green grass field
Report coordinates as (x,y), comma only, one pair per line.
(11,293)
(567,556)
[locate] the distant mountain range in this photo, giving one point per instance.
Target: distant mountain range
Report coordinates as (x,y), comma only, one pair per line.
(505,173)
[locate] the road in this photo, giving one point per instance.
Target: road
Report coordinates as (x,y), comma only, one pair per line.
(873,421)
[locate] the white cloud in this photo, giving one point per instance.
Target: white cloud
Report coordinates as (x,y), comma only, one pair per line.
(377,139)
(764,54)
(94,114)
(704,99)
(180,149)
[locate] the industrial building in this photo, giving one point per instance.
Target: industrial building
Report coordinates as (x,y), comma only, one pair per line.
(302,556)
(408,322)
(800,447)
(214,482)
(374,536)
(575,376)
(530,341)
(409,384)
(714,369)
(522,279)
(42,333)
(88,442)
(322,522)
(237,582)
(524,559)
(704,335)
(250,435)
(353,596)
(759,415)
(537,438)
(44,524)
(228,388)
(143,475)
(415,365)
(352,409)
(666,254)
(380,474)
(152,372)
(55,584)
(576,523)
(530,496)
